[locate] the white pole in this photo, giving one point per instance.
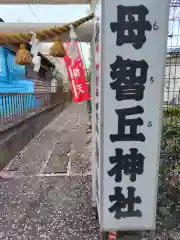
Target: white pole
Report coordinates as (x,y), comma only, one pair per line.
(93,102)
(93,95)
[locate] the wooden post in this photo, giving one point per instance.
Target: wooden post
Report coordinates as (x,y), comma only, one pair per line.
(128,235)
(151,235)
(104,236)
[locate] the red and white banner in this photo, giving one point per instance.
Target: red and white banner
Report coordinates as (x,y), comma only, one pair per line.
(79,85)
(112,236)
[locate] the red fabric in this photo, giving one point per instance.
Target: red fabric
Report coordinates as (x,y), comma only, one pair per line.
(79,86)
(112,236)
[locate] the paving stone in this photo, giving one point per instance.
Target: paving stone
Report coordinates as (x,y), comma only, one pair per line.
(57,164)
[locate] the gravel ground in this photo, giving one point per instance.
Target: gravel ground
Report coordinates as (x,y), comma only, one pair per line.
(38,206)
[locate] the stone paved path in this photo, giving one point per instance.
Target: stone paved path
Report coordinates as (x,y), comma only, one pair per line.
(49,193)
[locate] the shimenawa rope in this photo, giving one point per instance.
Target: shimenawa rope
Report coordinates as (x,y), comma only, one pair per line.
(46,34)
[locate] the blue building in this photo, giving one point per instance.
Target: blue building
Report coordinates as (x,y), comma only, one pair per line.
(16,79)
(12,76)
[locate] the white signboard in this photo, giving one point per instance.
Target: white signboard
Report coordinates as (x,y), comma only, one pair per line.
(133,41)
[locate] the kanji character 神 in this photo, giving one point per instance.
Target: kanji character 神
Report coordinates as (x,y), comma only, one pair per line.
(120,202)
(130,77)
(132,164)
(131,25)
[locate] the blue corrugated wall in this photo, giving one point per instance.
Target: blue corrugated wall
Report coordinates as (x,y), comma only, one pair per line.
(13,80)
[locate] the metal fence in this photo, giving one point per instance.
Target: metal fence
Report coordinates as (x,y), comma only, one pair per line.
(17,106)
(168,206)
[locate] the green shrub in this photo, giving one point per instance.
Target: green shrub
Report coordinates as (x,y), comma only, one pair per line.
(172,111)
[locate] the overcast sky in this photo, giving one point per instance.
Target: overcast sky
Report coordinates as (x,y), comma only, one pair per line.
(42,13)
